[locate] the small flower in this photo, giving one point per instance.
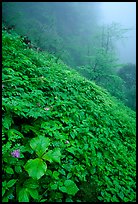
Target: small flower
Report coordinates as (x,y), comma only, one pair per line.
(2,86)
(46,108)
(16,153)
(67,142)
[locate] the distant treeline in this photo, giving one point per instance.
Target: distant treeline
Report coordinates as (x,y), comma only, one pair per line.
(70,32)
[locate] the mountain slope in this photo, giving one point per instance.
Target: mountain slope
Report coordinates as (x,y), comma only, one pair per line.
(75,141)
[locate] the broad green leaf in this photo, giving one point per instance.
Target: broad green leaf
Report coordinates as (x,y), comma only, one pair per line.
(39,145)
(11,183)
(52,155)
(60,183)
(7,121)
(71,187)
(69,175)
(36,168)
(9,170)
(121,195)
(71,150)
(18,169)
(56,155)
(56,174)
(62,172)
(72,135)
(49,172)
(99,155)
(63,189)
(54,186)
(13,134)
(4,183)
(23,195)
(33,193)
(48,156)
(3,191)
(100,198)
(31,183)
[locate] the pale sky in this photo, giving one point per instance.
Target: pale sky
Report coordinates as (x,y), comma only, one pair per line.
(125,14)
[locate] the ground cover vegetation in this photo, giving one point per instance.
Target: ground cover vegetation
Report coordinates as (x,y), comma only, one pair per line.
(64,138)
(71,31)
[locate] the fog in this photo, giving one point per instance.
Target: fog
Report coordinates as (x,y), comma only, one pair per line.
(77,20)
(98,39)
(125,14)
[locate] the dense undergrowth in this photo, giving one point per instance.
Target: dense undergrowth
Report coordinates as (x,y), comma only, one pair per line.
(74,141)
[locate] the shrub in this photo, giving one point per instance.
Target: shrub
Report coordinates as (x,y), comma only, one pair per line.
(64,138)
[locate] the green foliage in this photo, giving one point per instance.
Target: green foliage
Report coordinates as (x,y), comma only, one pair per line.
(76,141)
(102,70)
(39,145)
(65,31)
(69,187)
(36,168)
(59,29)
(128,74)
(101,63)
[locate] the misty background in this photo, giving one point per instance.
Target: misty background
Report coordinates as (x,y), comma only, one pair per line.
(125,14)
(90,14)
(98,39)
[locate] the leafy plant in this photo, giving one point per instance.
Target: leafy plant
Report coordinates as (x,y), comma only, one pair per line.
(64,138)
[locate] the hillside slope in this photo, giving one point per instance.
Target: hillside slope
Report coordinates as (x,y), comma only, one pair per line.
(64,138)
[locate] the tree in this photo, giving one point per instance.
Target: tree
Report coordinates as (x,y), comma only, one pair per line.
(102,61)
(108,35)
(55,27)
